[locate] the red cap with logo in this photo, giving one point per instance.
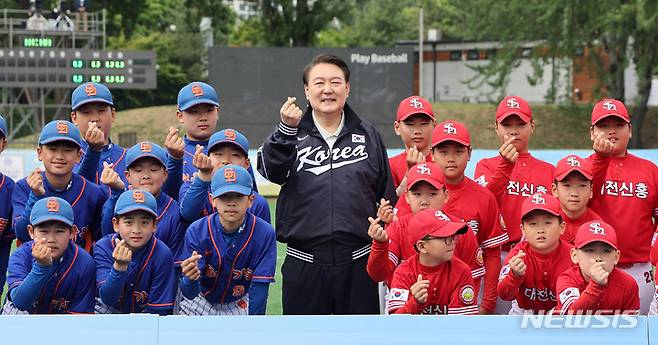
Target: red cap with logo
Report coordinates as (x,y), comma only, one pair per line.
(451,131)
(428,172)
(434,223)
(609,107)
(572,163)
(540,201)
(596,231)
(513,105)
(414,105)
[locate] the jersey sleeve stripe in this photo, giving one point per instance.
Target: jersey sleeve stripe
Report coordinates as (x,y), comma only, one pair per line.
(160,304)
(262,277)
(471,311)
(478,272)
(394,259)
(495,241)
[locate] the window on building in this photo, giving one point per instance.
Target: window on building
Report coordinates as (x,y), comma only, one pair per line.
(526,53)
(455,55)
(473,54)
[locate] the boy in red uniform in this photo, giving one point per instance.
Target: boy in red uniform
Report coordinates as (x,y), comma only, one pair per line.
(426,189)
(533,265)
(432,281)
(627,197)
(593,283)
(573,188)
(474,204)
(414,123)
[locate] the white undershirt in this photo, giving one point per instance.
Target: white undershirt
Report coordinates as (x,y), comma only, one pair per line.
(330,138)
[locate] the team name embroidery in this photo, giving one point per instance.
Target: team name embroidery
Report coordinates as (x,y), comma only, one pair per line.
(210,272)
(238,291)
(145,146)
(526,190)
(140,296)
(3,224)
(230,175)
(423,169)
(513,103)
(541,295)
(573,161)
(52,205)
(230,134)
(597,229)
(197,90)
(435,309)
(449,128)
(247,273)
(318,158)
(625,189)
(62,127)
(415,103)
(608,105)
(538,199)
(474,225)
(138,196)
(90,90)
(59,304)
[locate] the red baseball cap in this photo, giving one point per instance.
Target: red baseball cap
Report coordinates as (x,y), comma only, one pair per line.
(414,105)
(451,131)
(428,172)
(540,201)
(513,105)
(609,107)
(572,163)
(435,223)
(596,231)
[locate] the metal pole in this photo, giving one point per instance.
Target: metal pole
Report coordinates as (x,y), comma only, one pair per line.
(434,98)
(104,37)
(420,52)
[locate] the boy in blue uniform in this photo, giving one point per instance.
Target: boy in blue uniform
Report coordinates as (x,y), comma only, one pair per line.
(59,150)
(50,275)
(229,257)
(6,188)
(146,170)
(93,113)
(134,269)
(227,146)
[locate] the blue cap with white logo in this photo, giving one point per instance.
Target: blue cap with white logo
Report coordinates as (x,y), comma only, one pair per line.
(231,178)
(136,200)
(3,127)
(229,136)
(195,93)
(60,130)
(89,93)
(49,209)
(146,149)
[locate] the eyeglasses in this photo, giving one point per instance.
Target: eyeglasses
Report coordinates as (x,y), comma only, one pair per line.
(447,240)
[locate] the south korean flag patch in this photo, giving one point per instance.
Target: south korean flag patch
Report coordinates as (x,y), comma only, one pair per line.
(357,138)
(503,272)
(398,295)
(569,294)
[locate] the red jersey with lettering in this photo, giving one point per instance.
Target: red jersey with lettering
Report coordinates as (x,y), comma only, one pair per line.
(512,184)
(451,289)
(628,200)
(385,257)
(620,295)
(399,167)
(572,225)
(535,290)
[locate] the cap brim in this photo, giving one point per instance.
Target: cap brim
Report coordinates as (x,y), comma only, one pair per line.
(48,218)
(228,142)
(194,102)
(566,173)
(3,132)
(412,113)
(59,138)
(592,240)
(452,228)
(594,121)
(457,140)
(433,182)
(145,155)
(92,100)
(523,117)
(133,208)
(232,189)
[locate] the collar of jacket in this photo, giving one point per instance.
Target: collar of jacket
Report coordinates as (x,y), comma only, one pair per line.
(351,121)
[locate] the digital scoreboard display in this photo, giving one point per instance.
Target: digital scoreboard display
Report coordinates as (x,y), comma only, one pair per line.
(53,67)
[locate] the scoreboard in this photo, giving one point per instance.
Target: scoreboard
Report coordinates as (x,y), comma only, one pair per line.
(68,68)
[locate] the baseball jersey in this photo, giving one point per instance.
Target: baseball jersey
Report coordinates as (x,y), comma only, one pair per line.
(86,199)
(572,225)
(91,165)
(621,294)
(149,284)
(450,292)
(512,184)
(227,270)
(70,288)
(399,166)
(628,200)
(196,202)
(6,190)
(535,290)
(385,257)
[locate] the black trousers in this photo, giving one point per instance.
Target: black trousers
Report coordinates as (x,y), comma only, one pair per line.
(325,289)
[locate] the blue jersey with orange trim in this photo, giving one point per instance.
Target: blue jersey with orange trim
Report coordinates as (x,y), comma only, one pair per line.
(70,289)
(6,190)
(227,270)
(111,153)
(86,199)
(150,284)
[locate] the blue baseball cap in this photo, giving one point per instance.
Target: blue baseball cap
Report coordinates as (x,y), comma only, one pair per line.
(60,130)
(3,127)
(195,93)
(90,92)
(231,178)
(146,149)
(229,136)
(136,200)
(51,208)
